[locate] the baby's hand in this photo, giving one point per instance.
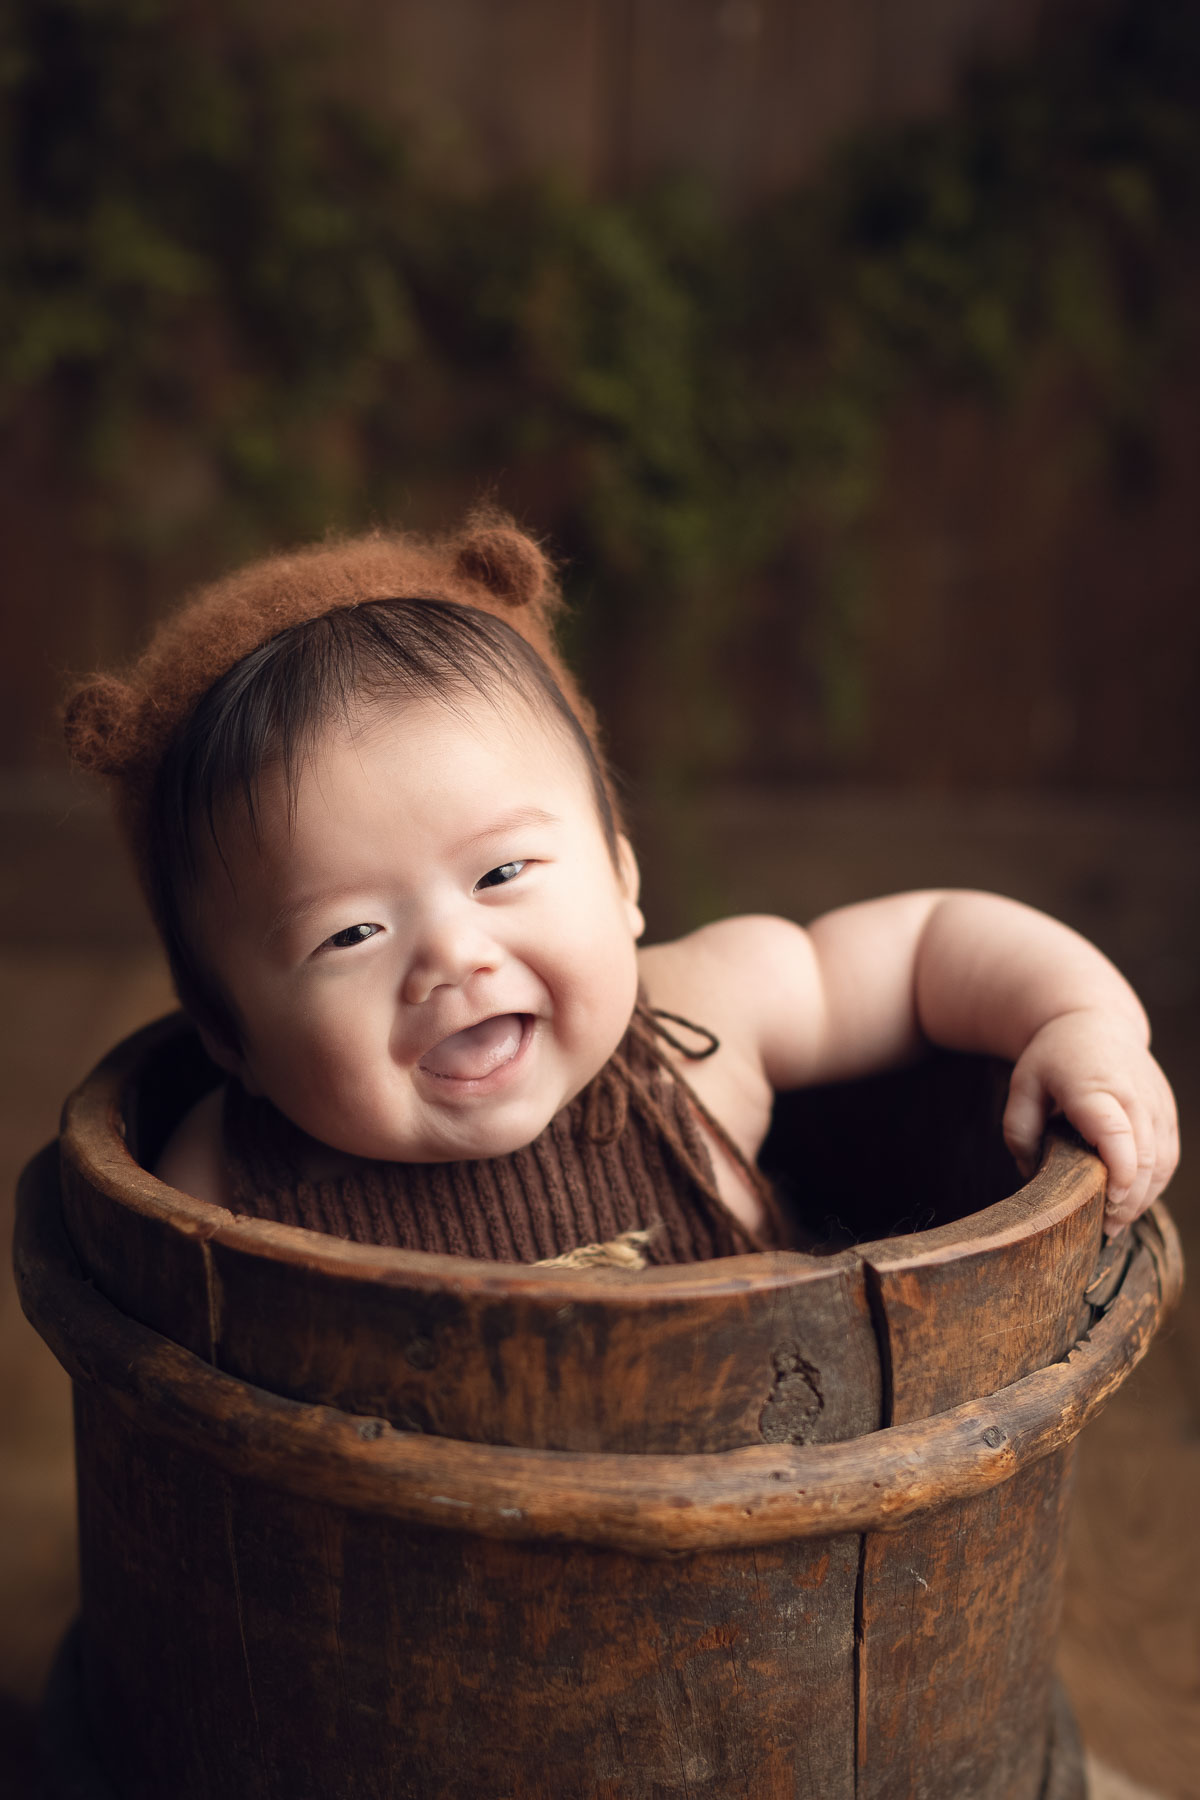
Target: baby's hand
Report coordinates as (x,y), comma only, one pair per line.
(1096,1069)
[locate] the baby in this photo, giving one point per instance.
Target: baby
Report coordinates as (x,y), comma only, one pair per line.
(371,813)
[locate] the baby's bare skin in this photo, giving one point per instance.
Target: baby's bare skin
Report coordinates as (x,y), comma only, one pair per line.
(365,943)
(868,986)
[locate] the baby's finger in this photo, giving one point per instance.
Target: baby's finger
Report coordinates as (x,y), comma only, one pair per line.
(1112,1128)
(1025,1121)
(1127,1201)
(1158,1152)
(1165,1120)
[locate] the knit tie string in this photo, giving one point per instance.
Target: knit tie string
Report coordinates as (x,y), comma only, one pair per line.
(606,1107)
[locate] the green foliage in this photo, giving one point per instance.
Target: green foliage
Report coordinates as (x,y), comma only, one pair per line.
(255,319)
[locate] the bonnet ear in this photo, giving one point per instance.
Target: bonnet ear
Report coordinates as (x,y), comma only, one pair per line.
(495,555)
(99,724)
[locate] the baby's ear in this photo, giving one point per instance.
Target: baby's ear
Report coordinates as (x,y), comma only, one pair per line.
(631,881)
(223,1054)
(98,722)
(495,555)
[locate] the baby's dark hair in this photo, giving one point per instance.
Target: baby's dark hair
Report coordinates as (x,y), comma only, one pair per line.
(270,709)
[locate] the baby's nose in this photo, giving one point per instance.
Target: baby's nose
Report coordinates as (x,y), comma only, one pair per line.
(451,950)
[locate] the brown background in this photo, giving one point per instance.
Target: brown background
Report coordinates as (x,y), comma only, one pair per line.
(1029,650)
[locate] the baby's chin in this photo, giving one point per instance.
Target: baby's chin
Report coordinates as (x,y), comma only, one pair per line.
(489,1134)
(472,1140)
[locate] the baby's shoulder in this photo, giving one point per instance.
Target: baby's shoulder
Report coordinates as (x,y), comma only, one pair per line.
(731,955)
(193,1159)
(746,978)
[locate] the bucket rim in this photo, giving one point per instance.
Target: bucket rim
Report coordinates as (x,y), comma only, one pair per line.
(94,1146)
(650,1504)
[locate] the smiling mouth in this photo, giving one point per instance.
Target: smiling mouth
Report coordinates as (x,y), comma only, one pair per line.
(480,1051)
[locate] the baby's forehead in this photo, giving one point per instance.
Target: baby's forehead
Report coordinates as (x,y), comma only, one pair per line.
(415,745)
(470,704)
(505,726)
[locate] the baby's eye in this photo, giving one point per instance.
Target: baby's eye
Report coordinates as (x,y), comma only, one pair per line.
(498,876)
(353,934)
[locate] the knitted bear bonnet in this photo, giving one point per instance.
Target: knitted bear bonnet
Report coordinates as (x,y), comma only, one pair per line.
(120,726)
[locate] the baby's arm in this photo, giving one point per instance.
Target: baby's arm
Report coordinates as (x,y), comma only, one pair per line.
(865,986)
(192,1159)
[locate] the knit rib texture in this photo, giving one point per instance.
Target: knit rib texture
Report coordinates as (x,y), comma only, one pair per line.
(627,1154)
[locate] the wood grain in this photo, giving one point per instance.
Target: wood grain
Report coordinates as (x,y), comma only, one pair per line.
(342,1654)
(653,1504)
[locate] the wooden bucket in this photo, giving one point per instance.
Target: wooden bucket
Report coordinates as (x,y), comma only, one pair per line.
(373,1524)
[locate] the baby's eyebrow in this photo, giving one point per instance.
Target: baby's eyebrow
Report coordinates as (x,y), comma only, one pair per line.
(510,821)
(299,910)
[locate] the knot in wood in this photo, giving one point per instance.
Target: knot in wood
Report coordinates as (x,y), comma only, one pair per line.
(420,1353)
(795,1399)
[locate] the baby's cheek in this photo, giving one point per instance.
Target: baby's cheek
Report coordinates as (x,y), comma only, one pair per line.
(346,1106)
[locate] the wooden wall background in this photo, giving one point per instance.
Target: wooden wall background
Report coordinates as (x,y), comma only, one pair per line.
(749,92)
(1023,628)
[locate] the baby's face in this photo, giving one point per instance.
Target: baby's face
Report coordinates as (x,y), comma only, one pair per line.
(439,954)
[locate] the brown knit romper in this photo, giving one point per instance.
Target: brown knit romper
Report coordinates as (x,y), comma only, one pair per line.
(627,1154)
